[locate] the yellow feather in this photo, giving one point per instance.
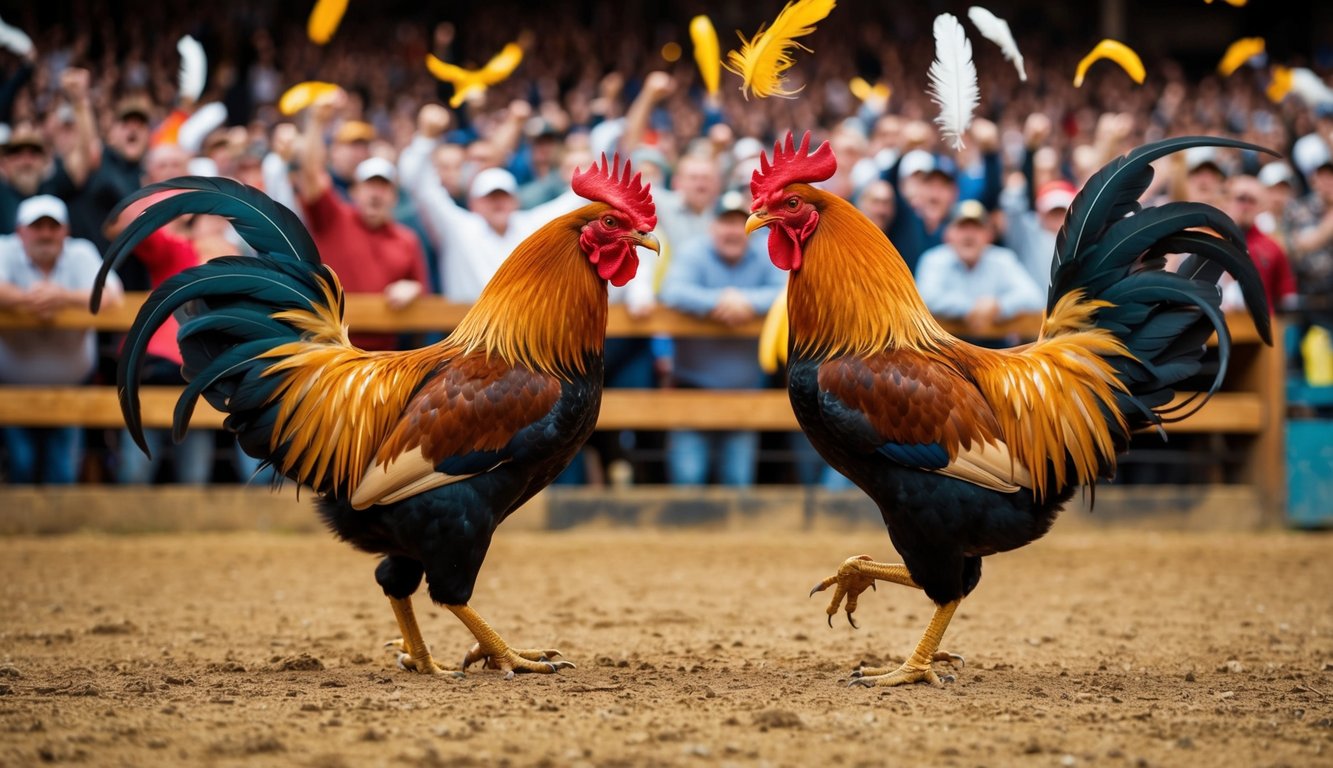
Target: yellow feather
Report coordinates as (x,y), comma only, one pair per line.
(864,91)
(1280,85)
(707,52)
(764,59)
(773,336)
(302,95)
(468,81)
(1238,53)
(1115,51)
(324,18)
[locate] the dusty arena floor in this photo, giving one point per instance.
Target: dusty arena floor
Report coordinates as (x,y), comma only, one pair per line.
(1088,648)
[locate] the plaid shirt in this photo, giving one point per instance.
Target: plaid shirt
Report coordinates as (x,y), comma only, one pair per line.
(1314,269)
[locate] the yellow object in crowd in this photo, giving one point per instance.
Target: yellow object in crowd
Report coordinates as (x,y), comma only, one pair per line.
(1115,51)
(302,95)
(707,52)
(1238,53)
(469,81)
(324,19)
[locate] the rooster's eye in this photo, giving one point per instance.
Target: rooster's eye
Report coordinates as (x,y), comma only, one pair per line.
(609,222)
(793,203)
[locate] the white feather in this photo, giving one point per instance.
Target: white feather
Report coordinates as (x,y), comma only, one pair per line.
(953,79)
(1310,87)
(14,39)
(996,30)
(194,68)
(206,119)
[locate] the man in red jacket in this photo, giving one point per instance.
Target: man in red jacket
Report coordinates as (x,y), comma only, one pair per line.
(1244,200)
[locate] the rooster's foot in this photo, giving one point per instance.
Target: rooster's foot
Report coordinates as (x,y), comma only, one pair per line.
(854,576)
(512,661)
(422,663)
(866,673)
(901,676)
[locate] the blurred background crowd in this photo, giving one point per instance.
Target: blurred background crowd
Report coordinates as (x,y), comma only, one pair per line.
(406,196)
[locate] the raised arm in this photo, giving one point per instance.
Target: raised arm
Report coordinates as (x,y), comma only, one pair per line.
(85,155)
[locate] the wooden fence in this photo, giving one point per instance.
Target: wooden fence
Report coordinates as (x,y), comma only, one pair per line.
(1251,406)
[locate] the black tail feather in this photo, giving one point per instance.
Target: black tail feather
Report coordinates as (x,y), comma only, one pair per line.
(1113,250)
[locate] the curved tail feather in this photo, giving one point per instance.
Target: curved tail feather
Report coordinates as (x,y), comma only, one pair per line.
(1112,251)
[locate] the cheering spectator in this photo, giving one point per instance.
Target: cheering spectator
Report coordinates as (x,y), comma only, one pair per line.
(1244,196)
(969,279)
(360,240)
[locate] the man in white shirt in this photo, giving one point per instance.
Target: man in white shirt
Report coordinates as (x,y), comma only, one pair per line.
(472,242)
(42,271)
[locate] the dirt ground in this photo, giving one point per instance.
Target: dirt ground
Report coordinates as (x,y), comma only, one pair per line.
(1087,648)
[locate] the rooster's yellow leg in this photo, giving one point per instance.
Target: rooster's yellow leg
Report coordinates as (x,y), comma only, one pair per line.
(917,668)
(497,653)
(413,654)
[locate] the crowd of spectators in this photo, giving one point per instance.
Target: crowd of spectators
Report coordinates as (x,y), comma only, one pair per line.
(406,197)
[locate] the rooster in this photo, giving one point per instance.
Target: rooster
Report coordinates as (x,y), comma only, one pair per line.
(417,455)
(970,451)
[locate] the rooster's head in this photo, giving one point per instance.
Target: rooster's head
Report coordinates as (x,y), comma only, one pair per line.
(610,237)
(782,197)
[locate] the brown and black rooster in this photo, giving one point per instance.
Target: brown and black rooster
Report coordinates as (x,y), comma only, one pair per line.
(417,455)
(970,451)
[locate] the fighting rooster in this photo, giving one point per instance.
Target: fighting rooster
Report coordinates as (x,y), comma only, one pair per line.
(417,455)
(969,451)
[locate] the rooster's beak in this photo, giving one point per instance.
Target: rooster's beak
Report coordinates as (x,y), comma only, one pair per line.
(759,218)
(646,240)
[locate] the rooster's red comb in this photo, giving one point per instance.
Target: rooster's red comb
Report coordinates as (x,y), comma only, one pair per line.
(791,164)
(620,190)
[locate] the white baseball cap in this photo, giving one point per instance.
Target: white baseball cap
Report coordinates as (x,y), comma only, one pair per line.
(493,180)
(916,161)
(376,168)
(1276,172)
(42,207)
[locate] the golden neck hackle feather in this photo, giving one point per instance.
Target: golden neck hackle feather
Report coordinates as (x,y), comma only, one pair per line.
(853,293)
(545,308)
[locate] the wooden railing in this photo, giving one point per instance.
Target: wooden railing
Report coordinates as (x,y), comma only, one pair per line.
(1251,404)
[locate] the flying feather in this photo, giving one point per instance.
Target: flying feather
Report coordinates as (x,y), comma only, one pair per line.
(707,52)
(764,59)
(194,68)
(996,30)
(1115,51)
(953,79)
(324,19)
(14,39)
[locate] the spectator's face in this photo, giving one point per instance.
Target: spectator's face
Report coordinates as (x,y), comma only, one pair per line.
(969,239)
(1244,195)
(129,137)
(888,132)
(1205,185)
(1323,183)
(937,193)
(482,154)
(581,158)
(729,237)
(876,202)
(698,182)
(374,200)
(1053,219)
(496,208)
(24,167)
(43,240)
(1276,198)
(165,162)
(345,156)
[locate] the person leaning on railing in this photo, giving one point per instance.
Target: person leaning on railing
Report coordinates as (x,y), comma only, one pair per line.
(43,271)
